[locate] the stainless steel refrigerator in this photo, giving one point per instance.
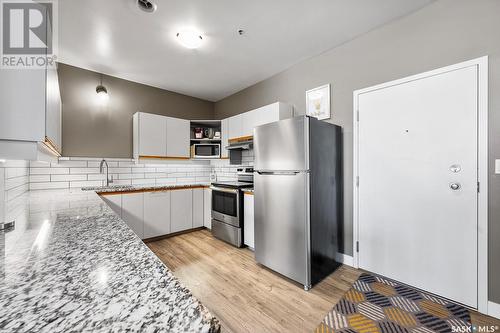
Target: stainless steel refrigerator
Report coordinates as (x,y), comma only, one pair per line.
(298,197)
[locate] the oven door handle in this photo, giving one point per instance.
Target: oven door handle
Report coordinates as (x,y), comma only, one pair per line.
(222,189)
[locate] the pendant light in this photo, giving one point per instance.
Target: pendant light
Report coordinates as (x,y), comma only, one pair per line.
(102,92)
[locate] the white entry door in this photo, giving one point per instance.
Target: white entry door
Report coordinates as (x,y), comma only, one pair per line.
(418,179)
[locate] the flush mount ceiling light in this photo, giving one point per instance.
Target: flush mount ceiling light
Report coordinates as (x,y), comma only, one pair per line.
(190,39)
(146,5)
(102,92)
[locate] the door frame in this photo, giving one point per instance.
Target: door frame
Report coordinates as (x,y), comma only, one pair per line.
(482,213)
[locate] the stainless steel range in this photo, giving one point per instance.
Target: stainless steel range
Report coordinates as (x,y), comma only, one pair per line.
(227,207)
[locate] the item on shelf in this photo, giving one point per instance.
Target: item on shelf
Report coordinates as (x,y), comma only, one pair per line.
(198,133)
(209,133)
(217,135)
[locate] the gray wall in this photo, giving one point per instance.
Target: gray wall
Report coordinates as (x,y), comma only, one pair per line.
(441,34)
(91,130)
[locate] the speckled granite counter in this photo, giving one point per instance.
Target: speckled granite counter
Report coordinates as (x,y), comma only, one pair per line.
(141,188)
(72,265)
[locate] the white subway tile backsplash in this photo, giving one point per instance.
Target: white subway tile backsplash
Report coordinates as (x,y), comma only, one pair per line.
(36,164)
(69,164)
(16,182)
(16,191)
(142,170)
(156,175)
(120,170)
(163,181)
(100,176)
(97,164)
(85,183)
(15,172)
(143,181)
(80,171)
(127,164)
(165,169)
(49,171)
(131,176)
(39,178)
(67,178)
(186,180)
(76,171)
(46,186)
(15,164)
(122,182)
(83,158)
(203,179)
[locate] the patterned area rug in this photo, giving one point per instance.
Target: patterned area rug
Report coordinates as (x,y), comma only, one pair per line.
(376,304)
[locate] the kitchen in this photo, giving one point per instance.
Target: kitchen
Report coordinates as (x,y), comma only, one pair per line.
(186,184)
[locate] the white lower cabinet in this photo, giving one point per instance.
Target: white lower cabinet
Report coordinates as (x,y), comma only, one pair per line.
(207,208)
(181,213)
(198,198)
(156,214)
(248,221)
(114,202)
(133,212)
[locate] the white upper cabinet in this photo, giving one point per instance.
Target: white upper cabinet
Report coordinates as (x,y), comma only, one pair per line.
(248,120)
(157,136)
(224,138)
(152,132)
(23,103)
(53,125)
(30,116)
(177,138)
(242,125)
(235,129)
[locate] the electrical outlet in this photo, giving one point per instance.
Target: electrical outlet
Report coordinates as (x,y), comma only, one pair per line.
(497,166)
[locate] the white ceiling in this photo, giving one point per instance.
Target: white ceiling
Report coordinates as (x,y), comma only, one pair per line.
(116,38)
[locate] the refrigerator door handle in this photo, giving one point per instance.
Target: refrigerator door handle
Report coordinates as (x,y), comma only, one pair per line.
(280,173)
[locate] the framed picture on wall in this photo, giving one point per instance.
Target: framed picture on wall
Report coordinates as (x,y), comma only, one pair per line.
(318,102)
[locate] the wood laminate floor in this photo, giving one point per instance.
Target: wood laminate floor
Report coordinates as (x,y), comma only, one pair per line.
(245,296)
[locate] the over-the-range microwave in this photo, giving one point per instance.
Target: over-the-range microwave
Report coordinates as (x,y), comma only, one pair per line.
(205,150)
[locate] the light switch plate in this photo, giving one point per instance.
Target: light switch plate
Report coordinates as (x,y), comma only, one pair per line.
(497,166)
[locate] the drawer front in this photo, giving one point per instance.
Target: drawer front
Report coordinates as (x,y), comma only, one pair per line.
(227,233)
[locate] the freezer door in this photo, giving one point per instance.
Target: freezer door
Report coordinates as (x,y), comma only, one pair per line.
(282,224)
(282,145)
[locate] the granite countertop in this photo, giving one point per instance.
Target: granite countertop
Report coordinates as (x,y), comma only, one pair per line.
(141,188)
(71,264)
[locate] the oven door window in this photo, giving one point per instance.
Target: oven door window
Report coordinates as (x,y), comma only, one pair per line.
(224,203)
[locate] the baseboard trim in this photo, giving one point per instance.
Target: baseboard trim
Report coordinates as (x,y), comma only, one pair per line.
(345,259)
(494,309)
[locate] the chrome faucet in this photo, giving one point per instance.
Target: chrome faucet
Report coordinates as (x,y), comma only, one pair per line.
(101,169)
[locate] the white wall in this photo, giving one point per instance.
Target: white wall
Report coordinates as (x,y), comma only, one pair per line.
(14,179)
